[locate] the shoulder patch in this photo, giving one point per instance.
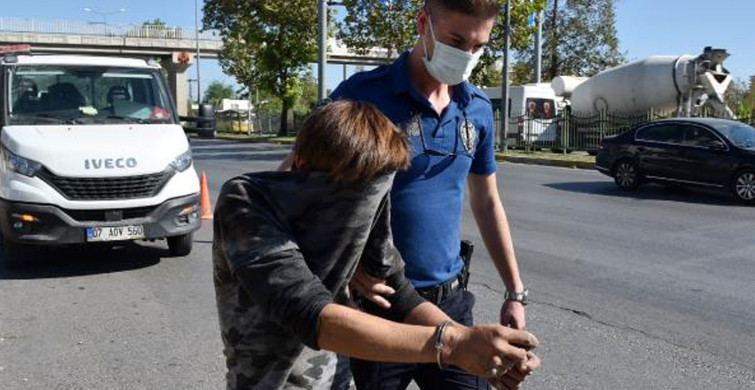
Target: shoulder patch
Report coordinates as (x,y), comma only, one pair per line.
(369,75)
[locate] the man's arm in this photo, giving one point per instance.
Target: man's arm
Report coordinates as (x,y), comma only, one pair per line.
(494,227)
(353,333)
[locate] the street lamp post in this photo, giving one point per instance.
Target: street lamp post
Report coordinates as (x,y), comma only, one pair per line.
(322,17)
(196,28)
(104,14)
(505,84)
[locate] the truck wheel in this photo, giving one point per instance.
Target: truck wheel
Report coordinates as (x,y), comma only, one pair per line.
(13,255)
(180,245)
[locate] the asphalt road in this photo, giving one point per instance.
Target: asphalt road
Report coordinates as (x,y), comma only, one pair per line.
(645,290)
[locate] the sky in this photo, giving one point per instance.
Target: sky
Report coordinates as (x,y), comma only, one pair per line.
(645,27)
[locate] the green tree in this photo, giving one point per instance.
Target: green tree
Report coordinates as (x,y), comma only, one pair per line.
(392,25)
(217,91)
(738,98)
(155,22)
(267,44)
(579,39)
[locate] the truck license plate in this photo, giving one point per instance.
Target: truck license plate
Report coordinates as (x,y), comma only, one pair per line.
(115,233)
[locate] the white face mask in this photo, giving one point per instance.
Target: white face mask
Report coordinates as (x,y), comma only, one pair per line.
(449,65)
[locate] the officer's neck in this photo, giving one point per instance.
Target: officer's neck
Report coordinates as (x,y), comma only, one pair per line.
(439,95)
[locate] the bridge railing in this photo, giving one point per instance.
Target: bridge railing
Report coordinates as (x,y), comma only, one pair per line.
(73,27)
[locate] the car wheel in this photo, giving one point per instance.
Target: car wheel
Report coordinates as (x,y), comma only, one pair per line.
(180,245)
(626,174)
(744,186)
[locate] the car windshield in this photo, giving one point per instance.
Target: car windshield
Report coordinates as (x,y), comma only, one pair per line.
(60,94)
(738,134)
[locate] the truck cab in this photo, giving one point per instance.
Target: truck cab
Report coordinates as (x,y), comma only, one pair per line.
(91,150)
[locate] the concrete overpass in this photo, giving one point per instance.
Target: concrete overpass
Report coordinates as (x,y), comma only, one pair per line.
(169,43)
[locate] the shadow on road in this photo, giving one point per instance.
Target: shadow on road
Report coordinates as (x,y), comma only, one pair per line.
(650,192)
(79,261)
(249,156)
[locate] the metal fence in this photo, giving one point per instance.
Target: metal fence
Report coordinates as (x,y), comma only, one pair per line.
(572,131)
(73,27)
(269,124)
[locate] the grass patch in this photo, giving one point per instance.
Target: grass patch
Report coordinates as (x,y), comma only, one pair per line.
(573,156)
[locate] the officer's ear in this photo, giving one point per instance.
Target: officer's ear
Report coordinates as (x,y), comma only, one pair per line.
(422,25)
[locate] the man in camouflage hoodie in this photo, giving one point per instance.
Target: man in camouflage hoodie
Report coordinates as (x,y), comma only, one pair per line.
(287,243)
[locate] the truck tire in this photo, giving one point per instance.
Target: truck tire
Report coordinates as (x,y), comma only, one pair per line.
(180,245)
(13,255)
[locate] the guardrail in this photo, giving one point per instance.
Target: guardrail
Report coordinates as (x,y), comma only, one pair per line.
(73,27)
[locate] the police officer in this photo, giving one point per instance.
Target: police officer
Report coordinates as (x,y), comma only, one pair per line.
(450,124)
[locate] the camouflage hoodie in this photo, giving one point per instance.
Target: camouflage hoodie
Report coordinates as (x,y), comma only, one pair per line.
(285,245)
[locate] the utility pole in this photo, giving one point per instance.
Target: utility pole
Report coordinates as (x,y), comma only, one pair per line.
(196,31)
(505,84)
(539,46)
(322,17)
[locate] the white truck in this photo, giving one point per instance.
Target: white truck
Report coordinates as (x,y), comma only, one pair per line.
(91,150)
(534,108)
(680,85)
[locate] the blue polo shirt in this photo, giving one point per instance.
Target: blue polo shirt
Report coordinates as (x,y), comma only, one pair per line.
(426,199)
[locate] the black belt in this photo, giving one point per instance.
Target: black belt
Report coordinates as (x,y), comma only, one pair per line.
(436,294)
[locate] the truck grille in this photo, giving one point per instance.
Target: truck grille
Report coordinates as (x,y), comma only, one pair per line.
(107,188)
(105,215)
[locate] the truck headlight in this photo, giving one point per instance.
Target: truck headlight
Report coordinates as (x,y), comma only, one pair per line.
(182,162)
(20,164)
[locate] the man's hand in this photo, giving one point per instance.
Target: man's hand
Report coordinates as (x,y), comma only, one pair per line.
(489,350)
(371,288)
(512,314)
(514,377)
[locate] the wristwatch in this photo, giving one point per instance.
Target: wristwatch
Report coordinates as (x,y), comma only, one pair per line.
(517,296)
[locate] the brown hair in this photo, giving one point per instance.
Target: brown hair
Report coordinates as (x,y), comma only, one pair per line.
(480,8)
(352,141)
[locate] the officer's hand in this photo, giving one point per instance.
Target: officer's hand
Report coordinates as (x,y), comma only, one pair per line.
(371,288)
(512,314)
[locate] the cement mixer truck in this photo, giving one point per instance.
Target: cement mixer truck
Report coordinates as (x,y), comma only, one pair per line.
(681,86)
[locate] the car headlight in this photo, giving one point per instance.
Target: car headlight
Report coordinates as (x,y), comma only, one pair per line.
(182,162)
(20,164)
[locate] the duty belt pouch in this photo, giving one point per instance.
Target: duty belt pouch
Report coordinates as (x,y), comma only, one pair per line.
(467,247)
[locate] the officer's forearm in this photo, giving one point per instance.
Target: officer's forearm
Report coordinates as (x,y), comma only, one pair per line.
(494,228)
(426,314)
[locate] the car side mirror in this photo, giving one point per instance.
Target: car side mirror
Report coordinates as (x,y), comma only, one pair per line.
(717,145)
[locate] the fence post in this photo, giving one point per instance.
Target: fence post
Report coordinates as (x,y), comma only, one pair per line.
(564,130)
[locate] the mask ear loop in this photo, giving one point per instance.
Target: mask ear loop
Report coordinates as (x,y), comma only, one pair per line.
(432,32)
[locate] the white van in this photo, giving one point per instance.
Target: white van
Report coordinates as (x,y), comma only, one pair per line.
(532,113)
(92,151)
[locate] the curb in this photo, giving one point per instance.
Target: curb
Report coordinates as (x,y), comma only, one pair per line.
(545,161)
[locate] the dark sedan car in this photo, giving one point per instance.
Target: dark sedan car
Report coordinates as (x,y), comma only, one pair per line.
(684,151)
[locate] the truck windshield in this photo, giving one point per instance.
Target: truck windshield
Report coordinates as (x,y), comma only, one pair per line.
(55,94)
